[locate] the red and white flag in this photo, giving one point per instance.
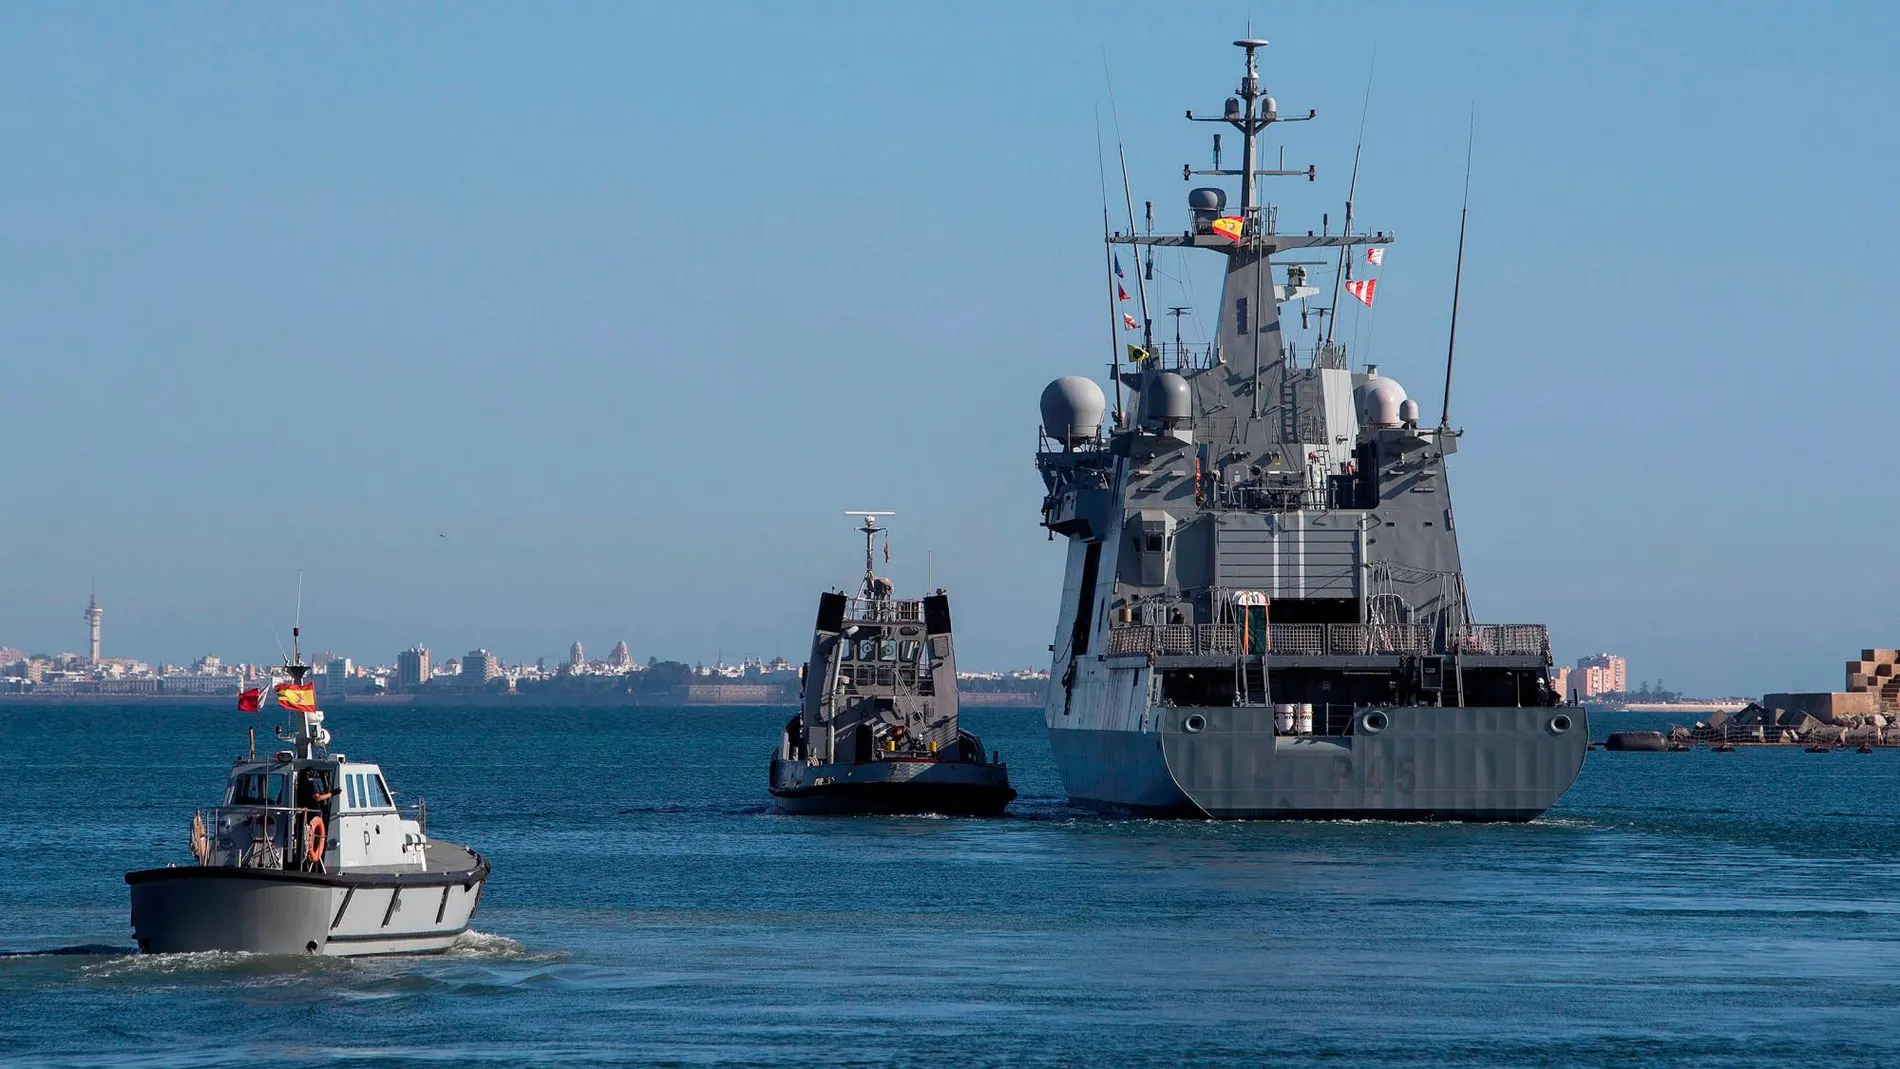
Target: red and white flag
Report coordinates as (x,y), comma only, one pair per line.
(1129,323)
(1375,255)
(1121,294)
(1362,289)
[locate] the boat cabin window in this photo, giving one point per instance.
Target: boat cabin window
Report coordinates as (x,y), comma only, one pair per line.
(365,790)
(260,788)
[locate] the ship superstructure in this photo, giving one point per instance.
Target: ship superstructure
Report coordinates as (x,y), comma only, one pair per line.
(1264,612)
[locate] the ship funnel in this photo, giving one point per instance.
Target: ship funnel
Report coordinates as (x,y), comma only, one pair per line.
(1072,409)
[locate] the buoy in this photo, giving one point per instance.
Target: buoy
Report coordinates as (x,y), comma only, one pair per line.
(1636,741)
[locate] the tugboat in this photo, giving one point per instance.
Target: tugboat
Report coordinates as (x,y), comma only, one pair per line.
(1264,614)
(307,854)
(876,731)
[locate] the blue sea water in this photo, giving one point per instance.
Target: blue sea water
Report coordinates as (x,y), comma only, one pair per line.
(647,907)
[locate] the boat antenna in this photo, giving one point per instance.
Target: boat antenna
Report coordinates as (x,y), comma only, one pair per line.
(1108,263)
(1128,197)
(1458,275)
(871,531)
(1352,191)
(296,626)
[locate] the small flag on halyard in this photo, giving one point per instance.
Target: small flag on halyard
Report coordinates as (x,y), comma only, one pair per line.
(1118,267)
(249,700)
(1121,294)
(1128,322)
(301,698)
(1229,227)
(1375,256)
(1136,354)
(1362,289)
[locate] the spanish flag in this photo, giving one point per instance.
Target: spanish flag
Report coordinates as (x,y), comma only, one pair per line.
(1229,227)
(300,698)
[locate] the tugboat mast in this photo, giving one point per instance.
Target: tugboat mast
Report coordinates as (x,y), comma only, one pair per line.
(871,531)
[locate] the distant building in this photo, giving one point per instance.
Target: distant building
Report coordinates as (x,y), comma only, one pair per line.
(478,667)
(577,657)
(94,614)
(1600,673)
(336,672)
(621,657)
(412,669)
(1560,681)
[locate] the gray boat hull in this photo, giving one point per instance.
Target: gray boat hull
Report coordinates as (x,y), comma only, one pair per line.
(1452,764)
(193,909)
(892,787)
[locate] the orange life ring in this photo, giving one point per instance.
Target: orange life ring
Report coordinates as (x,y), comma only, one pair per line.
(313,834)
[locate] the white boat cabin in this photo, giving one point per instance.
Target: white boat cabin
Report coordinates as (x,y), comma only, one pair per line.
(288,812)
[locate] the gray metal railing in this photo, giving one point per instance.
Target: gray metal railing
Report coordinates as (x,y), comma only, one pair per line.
(1312,640)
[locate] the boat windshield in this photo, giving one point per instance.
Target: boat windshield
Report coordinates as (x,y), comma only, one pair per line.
(260,788)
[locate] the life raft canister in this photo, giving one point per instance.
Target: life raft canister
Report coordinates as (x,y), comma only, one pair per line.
(314,837)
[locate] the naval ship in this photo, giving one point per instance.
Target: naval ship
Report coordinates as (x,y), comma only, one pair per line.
(307,854)
(1264,614)
(877,728)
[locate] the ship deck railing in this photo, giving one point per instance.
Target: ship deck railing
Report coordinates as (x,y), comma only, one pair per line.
(885,610)
(1322,640)
(252,836)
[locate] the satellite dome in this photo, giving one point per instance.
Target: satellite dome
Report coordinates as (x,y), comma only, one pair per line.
(1207,198)
(1408,412)
(1072,409)
(1167,400)
(1381,400)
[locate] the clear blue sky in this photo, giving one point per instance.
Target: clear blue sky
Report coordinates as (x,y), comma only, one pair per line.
(631,301)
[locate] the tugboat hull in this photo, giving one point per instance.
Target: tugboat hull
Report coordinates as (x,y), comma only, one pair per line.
(891,788)
(192,909)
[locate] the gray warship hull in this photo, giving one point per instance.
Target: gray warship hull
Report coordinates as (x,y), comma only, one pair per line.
(891,788)
(192,909)
(1470,764)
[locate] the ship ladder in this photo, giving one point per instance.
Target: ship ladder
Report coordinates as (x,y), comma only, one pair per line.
(1250,681)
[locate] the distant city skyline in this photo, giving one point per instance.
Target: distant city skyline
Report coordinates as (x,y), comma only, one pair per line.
(502,342)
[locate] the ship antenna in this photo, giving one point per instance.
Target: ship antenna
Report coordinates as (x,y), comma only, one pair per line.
(1128,196)
(1108,263)
(1352,191)
(871,531)
(1458,275)
(296,626)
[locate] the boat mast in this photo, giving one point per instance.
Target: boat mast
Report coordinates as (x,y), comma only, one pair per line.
(871,531)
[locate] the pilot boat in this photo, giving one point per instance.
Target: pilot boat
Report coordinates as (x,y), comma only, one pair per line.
(877,729)
(308,853)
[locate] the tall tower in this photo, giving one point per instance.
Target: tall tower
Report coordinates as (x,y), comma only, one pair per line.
(93,615)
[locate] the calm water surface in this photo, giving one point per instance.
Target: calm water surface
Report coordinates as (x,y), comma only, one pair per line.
(647,907)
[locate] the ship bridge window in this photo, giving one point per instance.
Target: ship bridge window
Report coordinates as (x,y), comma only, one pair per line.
(911,651)
(867,649)
(887,650)
(1153,543)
